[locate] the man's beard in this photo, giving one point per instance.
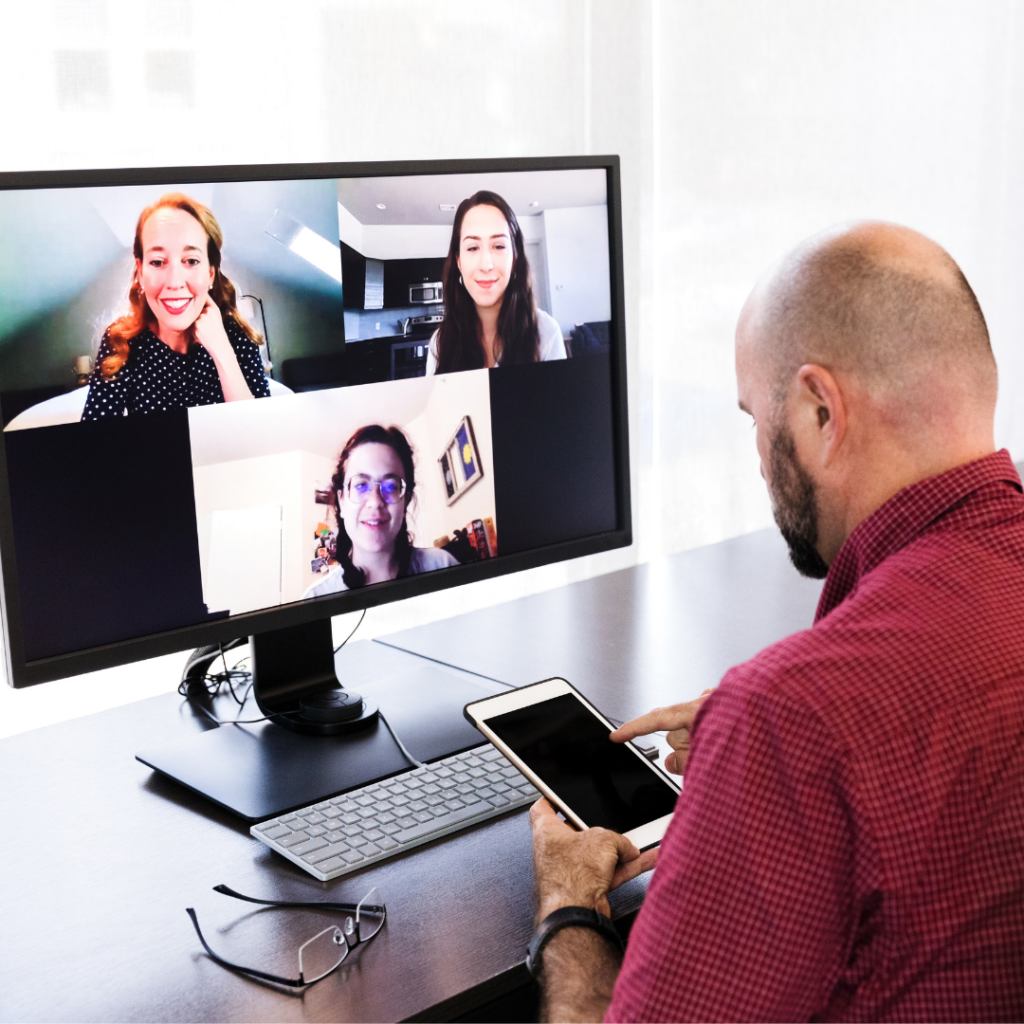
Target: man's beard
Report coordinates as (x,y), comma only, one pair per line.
(795,506)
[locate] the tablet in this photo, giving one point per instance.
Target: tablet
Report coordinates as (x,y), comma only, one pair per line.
(559,741)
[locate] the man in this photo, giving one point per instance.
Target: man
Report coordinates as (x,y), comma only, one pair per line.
(849,843)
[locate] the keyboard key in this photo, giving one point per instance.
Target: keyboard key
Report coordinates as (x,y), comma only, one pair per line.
(333,864)
(430,788)
(485,793)
(436,824)
(454,805)
(334,837)
(432,801)
(308,846)
(443,773)
(364,801)
(386,818)
(474,761)
(422,816)
(320,806)
(369,849)
(286,818)
(293,840)
(428,777)
(266,826)
(350,819)
(465,788)
(498,801)
(352,857)
(391,828)
(477,773)
(387,844)
(373,836)
(366,812)
(399,801)
(407,822)
(331,850)
(277,831)
(314,818)
(315,830)
(417,805)
(332,812)
(494,754)
(462,777)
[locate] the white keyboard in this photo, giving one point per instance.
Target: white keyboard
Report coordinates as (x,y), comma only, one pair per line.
(367,825)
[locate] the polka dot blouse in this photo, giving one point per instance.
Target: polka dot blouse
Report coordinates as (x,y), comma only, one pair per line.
(156,378)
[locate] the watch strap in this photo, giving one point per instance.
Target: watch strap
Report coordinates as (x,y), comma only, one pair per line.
(568,917)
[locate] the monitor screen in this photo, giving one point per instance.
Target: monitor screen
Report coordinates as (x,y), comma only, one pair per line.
(239,399)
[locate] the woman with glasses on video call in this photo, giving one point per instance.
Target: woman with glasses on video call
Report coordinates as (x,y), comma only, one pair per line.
(490,316)
(184,342)
(373,485)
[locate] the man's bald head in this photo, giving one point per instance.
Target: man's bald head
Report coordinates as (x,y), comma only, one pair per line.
(882,304)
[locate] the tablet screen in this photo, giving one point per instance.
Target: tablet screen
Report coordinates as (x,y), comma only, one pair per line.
(603,782)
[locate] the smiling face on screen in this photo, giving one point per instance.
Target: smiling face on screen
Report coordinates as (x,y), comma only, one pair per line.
(371,523)
(174,271)
(486,254)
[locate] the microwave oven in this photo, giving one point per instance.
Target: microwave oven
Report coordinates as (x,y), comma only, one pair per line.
(426,294)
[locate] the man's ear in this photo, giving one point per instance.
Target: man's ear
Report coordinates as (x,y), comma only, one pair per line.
(821,414)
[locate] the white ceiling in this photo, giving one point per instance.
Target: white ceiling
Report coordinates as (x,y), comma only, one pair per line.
(416,199)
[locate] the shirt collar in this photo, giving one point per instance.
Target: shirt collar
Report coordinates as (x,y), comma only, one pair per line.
(905,516)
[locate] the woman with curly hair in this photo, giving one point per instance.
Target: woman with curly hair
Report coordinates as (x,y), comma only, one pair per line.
(184,342)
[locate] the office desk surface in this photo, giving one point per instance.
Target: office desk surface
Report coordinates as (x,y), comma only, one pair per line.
(101,856)
(639,638)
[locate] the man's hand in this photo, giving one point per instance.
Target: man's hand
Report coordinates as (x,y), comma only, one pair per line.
(676,720)
(579,869)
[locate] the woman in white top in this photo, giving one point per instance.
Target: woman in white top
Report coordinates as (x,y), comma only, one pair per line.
(373,485)
(490,317)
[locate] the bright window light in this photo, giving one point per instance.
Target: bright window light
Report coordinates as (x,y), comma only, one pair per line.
(304,242)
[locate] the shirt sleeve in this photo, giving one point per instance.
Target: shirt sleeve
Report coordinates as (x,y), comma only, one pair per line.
(249,362)
(748,915)
(107,396)
(552,344)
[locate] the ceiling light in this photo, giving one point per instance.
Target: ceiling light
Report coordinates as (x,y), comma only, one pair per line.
(381,206)
(535,203)
(446,207)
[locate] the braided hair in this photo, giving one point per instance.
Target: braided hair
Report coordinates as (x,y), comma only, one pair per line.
(399,444)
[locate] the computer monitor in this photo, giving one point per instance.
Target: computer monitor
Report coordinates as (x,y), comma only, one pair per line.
(237,401)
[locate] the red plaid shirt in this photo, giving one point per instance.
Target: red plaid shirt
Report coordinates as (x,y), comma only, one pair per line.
(849,844)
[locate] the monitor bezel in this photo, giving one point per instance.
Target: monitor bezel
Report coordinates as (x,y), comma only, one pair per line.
(22,673)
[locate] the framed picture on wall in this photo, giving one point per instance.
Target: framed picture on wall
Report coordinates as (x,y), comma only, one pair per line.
(460,461)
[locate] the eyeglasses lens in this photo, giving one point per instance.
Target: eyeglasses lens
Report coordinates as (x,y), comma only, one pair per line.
(360,488)
(322,954)
(370,915)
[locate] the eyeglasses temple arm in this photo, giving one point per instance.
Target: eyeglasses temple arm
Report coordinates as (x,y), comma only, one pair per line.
(228,891)
(291,982)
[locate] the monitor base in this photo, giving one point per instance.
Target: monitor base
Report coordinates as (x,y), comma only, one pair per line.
(260,771)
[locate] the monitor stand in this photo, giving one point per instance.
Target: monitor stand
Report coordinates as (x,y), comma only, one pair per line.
(262,770)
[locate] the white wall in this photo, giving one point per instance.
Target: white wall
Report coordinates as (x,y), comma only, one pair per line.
(742,127)
(576,251)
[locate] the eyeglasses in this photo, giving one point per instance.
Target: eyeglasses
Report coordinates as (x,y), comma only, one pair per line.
(359,488)
(322,953)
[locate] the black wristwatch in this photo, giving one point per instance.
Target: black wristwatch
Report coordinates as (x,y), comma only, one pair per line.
(568,917)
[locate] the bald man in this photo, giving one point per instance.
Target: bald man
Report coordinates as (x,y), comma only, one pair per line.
(849,843)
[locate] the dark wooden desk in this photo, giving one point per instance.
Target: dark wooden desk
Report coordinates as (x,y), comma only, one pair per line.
(101,856)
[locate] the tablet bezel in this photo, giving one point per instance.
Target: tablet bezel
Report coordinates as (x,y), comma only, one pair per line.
(479,712)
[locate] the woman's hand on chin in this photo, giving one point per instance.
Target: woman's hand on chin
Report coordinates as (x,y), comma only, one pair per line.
(210,331)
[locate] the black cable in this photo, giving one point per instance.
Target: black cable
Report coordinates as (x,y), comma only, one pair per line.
(352,634)
(211,683)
